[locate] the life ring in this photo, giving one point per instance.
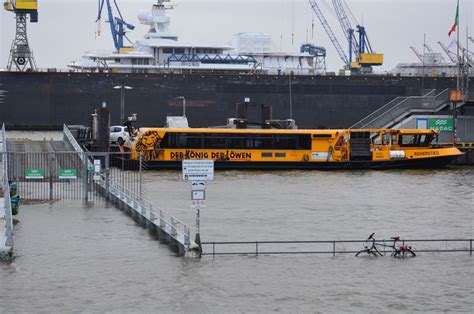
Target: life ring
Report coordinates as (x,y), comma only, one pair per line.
(305,157)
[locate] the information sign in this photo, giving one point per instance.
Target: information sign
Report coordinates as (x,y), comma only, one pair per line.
(198,195)
(67,174)
(198,170)
(34,174)
(443,125)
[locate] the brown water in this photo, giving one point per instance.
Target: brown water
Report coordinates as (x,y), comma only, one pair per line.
(96,259)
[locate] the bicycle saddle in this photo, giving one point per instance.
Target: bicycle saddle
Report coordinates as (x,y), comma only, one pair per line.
(395,238)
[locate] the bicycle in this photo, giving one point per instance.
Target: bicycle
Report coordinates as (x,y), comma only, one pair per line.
(404,250)
(372,249)
(401,251)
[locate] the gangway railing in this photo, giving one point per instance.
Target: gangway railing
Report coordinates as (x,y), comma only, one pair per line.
(174,231)
(6,219)
(400,107)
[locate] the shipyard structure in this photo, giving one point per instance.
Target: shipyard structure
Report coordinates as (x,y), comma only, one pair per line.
(161,75)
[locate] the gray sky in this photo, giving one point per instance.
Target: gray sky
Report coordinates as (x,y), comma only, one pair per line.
(66,29)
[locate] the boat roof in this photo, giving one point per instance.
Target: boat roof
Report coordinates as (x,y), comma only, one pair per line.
(296,131)
(165,42)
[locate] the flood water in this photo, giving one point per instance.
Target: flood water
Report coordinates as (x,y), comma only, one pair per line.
(71,257)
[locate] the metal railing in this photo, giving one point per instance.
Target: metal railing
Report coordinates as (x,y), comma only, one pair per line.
(330,247)
(146,208)
(114,184)
(6,235)
(400,107)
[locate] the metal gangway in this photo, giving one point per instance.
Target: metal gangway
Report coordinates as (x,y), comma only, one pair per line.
(400,108)
(6,220)
(50,170)
(169,229)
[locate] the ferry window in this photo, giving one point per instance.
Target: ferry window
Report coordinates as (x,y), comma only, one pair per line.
(415,140)
(267,154)
(304,141)
(167,50)
(239,141)
(375,138)
(194,140)
(179,50)
(262,141)
(322,136)
(285,141)
(280,154)
(386,139)
(214,140)
(394,139)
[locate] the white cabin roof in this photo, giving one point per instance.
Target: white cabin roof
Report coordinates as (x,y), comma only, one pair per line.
(163,42)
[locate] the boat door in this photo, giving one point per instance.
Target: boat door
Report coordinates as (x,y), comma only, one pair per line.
(360,148)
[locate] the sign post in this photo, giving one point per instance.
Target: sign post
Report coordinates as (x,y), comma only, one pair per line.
(198,171)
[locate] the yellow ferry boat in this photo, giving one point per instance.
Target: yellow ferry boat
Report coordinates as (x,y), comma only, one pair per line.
(292,149)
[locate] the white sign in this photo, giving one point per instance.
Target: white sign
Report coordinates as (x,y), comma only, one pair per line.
(198,204)
(319,155)
(198,186)
(198,170)
(198,195)
(97,165)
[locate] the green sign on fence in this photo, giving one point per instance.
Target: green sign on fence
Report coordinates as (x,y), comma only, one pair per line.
(442,124)
(67,174)
(34,174)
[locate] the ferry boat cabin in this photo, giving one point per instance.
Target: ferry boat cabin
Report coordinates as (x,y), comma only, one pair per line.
(292,149)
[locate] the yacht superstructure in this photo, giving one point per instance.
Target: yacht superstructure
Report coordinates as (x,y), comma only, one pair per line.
(160,51)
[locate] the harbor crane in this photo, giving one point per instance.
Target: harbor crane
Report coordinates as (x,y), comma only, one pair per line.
(21,56)
(417,53)
(330,33)
(428,47)
(118,26)
(361,57)
(450,54)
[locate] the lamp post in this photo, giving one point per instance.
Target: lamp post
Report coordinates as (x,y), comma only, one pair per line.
(184,104)
(122,100)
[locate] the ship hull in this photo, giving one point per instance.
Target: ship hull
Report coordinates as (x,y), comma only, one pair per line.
(46,100)
(421,163)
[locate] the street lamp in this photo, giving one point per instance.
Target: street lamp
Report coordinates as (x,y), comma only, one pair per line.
(184,104)
(122,100)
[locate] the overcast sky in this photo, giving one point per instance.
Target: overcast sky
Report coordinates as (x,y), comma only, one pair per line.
(66,28)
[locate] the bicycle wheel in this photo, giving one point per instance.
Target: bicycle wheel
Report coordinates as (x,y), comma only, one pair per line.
(404,253)
(367,253)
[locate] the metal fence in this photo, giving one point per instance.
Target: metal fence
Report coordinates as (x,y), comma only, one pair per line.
(336,247)
(71,175)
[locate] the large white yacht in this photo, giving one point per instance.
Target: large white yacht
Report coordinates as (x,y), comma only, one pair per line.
(160,51)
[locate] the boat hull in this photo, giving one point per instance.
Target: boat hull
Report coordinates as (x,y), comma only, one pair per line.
(419,163)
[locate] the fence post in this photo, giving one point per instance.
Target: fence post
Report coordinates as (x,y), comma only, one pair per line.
(107,176)
(256,248)
(213,249)
(470,247)
(50,164)
(140,176)
(85,177)
(333,248)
